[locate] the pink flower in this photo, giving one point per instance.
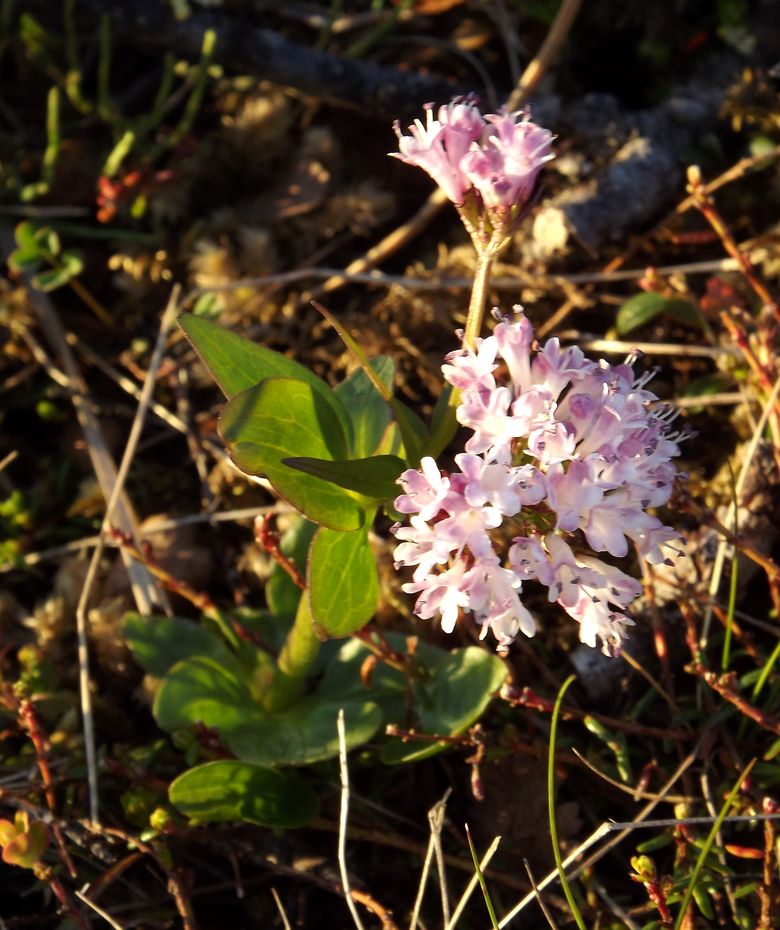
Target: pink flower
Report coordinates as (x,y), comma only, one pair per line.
(426,490)
(505,167)
(573,453)
(496,157)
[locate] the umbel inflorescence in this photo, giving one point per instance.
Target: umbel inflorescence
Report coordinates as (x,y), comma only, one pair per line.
(486,164)
(568,454)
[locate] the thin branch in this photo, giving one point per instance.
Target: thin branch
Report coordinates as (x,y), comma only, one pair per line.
(564,20)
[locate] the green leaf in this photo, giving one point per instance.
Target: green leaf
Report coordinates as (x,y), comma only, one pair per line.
(374,477)
(444,424)
(455,698)
(388,687)
(72,266)
(306,733)
(343,582)
(237,363)
(281,593)
(641,309)
(27,848)
(203,690)
(413,431)
(281,418)
(28,254)
(368,409)
(158,643)
(228,790)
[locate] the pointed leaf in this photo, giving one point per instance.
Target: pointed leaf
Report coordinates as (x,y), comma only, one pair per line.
(228,790)
(374,477)
(237,363)
(343,583)
(306,733)
(413,431)
(368,409)
(279,419)
(444,423)
(354,347)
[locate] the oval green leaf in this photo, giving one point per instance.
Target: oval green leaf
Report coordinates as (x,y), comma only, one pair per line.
(306,733)
(202,690)
(281,418)
(27,848)
(374,477)
(454,699)
(343,582)
(643,308)
(237,363)
(388,686)
(228,790)
(158,643)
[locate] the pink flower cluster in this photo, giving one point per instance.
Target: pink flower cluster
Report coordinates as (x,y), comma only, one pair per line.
(498,155)
(573,452)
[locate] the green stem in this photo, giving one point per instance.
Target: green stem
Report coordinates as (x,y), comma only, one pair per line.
(299,651)
(478,297)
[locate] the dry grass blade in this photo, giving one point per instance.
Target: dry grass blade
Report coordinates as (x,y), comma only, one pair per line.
(99,910)
(539,900)
(343,816)
(723,545)
(280,908)
(168,319)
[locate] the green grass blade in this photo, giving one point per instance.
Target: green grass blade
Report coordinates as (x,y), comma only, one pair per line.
(551,804)
(708,844)
(482,884)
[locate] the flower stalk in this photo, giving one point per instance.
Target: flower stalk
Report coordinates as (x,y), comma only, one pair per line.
(295,660)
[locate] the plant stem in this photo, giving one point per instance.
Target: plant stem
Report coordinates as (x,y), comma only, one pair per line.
(299,651)
(478,296)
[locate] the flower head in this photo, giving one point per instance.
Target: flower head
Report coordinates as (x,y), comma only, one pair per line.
(564,459)
(494,158)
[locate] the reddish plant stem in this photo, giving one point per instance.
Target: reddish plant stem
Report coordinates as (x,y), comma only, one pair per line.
(526,697)
(45,874)
(269,539)
(765,892)
(176,887)
(232,630)
(691,632)
(25,712)
(705,204)
(742,341)
(725,686)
